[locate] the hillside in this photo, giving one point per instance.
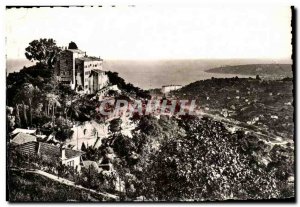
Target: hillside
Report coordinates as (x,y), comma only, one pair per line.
(263,105)
(27,187)
(274,70)
(162,158)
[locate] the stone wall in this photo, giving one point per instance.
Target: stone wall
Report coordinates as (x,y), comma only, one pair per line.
(65,66)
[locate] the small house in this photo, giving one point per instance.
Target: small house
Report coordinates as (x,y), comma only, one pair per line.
(68,157)
(22,138)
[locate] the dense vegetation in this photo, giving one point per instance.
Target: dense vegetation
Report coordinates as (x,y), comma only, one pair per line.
(262,103)
(37,98)
(114,79)
(198,159)
(211,164)
(36,188)
(177,158)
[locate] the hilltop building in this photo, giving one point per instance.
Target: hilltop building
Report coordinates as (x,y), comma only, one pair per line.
(168,88)
(81,72)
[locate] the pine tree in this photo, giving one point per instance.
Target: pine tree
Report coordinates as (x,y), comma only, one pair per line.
(83,147)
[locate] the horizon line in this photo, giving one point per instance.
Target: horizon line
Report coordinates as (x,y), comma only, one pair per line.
(174,59)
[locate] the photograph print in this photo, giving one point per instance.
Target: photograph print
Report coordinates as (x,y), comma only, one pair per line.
(150,103)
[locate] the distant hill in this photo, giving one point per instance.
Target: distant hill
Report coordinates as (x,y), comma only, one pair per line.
(247,100)
(149,74)
(275,70)
(15,65)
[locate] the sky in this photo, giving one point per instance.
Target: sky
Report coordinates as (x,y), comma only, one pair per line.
(156,32)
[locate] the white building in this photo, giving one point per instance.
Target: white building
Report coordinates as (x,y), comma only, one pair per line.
(81,72)
(168,88)
(90,133)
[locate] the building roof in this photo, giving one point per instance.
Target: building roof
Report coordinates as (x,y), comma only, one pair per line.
(25,131)
(54,151)
(22,138)
(75,50)
(90,58)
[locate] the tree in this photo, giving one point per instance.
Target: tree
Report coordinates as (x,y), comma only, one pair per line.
(123,145)
(89,177)
(25,114)
(27,95)
(63,134)
(42,50)
(208,163)
(10,119)
(83,147)
(31,93)
(114,79)
(72,111)
(52,103)
(18,119)
(72,45)
(115,125)
(257,77)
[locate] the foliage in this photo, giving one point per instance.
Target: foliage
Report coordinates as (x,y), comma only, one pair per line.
(72,45)
(91,178)
(83,147)
(208,163)
(114,79)
(115,125)
(27,187)
(42,50)
(199,159)
(91,153)
(123,146)
(62,134)
(10,119)
(246,100)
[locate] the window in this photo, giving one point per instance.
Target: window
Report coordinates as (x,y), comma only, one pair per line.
(71,163)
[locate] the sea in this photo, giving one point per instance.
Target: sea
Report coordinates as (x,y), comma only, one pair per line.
(149,74)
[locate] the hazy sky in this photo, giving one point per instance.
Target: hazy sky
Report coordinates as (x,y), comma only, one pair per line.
(156,32)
